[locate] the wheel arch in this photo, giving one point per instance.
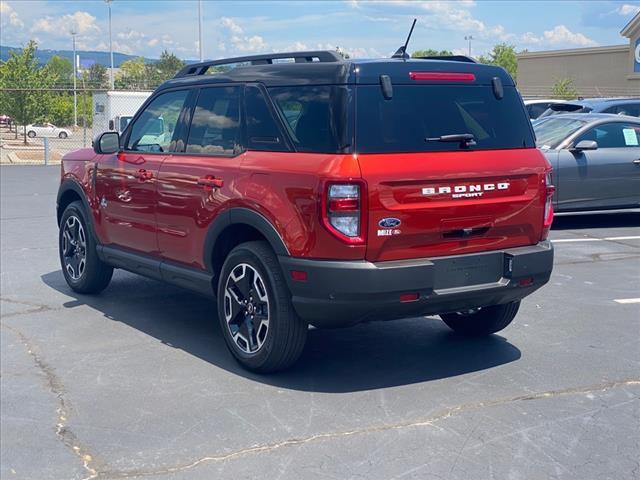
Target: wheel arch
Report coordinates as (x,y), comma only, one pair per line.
(71,191)
(236,226)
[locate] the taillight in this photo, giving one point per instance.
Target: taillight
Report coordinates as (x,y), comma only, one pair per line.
(548,204)
(343,211)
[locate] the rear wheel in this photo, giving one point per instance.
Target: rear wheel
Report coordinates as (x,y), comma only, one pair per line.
(258,321)
(62,135)
(81,267)
(31,134)
(482,321)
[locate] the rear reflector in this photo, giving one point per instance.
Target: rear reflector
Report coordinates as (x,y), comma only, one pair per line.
(442,76)
(525,282)
(299,275)
(409,297)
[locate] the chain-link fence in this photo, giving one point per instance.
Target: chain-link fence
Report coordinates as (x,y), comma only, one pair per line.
(56,125)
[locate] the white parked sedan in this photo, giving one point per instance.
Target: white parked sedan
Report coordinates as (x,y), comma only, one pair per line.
(46,130)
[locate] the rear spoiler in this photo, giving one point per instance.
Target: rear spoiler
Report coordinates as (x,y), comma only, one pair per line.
(568,107)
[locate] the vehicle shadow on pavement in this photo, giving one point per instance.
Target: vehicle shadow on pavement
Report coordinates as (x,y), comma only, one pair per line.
(598,220)
(364,357)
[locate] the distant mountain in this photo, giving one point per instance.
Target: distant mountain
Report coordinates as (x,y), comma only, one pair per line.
(86,56)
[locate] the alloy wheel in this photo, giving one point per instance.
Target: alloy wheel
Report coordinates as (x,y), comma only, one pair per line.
(74,247)
(246,308)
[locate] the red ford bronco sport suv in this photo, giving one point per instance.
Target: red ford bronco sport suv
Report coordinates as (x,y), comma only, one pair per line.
(319,191)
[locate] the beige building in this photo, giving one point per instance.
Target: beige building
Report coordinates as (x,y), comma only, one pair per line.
(595,71)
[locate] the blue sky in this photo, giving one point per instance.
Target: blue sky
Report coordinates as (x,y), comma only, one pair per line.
(362,28)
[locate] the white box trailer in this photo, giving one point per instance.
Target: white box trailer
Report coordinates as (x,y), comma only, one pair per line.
(113,110)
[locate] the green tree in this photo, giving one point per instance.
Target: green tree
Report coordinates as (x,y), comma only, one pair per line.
(22,87)
(502,55)
(565,89)
(62,68)
(96,76)
(133,74)
(430,52)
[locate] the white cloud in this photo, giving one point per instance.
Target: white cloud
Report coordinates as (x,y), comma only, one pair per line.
(153,42)
(231,25)
(82,22)
(248,44)
(627,9)
(561,35)
(8,16)
(296,47)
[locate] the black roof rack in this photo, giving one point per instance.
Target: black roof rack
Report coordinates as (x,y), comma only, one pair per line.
(265,59)
(450,58)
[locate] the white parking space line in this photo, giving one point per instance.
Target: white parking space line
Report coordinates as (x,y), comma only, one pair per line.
(567,240)
(627,300)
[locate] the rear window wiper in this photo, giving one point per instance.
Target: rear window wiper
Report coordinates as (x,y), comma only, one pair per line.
(465,140)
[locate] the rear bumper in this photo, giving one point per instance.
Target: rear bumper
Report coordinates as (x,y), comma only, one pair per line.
(342,293)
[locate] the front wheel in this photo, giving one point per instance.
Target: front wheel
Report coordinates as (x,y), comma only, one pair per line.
(81,267)
(482,321)
(31,134)
(62,135)
(258,321)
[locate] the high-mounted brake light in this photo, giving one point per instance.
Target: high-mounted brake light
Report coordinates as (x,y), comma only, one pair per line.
(342,211)
(550,189)
(442,76)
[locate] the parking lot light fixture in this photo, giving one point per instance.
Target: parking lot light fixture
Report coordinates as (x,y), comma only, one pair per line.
(108,2)
(75,78)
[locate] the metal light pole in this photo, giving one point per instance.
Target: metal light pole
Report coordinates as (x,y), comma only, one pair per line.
(111,87)
(200,30)
(469,38)
(75,78)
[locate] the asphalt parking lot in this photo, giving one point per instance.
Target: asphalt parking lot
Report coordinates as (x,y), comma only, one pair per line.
(137,382)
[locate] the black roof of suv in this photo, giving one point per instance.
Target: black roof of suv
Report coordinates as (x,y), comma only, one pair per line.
(326,67)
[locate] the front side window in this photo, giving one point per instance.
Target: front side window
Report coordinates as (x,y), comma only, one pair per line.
(215,128)
(631,109)
(154,129)
(613,135)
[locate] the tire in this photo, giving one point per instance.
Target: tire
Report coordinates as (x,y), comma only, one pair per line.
(259,344)
(62,135)
(31,134)
(81,267)
(485,321)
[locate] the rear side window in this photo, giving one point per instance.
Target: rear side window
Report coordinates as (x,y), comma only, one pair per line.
(631,109)
(317,117)
(537,109)
(262,130)
(416,113)
(215,128)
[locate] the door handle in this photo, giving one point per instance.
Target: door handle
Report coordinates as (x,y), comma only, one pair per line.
(636,161)
(143,175)
(209,182)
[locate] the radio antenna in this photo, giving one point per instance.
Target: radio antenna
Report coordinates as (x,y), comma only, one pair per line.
(402,51)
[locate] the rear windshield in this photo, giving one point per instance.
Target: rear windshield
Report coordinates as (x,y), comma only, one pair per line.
(417,113)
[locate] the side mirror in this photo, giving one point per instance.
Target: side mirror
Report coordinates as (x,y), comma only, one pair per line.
(107,142)
(585,145)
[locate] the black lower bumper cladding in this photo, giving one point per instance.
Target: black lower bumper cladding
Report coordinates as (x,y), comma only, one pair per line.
(342,293)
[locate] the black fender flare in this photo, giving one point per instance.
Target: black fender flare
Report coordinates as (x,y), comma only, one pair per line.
(241,216)
(70,184)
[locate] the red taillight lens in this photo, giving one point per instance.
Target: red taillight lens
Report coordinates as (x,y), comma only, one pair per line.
(548,204)
(442,76)
(342,211)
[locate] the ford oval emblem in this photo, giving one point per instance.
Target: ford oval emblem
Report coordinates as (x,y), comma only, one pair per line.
(389,222)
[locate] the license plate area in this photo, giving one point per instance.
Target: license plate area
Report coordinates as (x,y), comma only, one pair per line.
(468,270)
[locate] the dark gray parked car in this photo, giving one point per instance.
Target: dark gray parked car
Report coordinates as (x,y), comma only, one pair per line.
(595,159)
